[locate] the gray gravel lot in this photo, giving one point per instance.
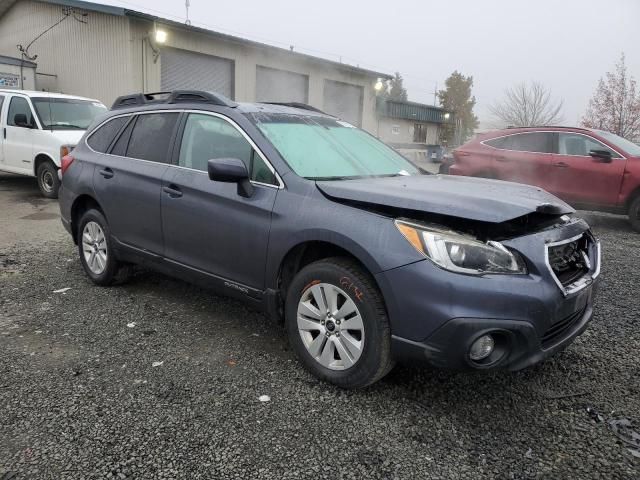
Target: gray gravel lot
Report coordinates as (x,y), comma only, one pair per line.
(80,396)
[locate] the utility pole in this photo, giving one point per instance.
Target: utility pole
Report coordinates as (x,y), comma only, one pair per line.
(435,95)
(187,4)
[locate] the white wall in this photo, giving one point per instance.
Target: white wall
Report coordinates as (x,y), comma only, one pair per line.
(404,131)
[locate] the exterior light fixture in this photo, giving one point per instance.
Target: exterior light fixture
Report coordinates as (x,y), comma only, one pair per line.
(160,36)
(378,86)
(447,115)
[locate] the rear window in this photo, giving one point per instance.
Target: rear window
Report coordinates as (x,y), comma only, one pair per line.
(535,142)
(102,137)
(151,137)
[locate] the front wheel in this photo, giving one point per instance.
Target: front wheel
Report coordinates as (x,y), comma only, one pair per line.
(634,214)
(337,324)
(48,181)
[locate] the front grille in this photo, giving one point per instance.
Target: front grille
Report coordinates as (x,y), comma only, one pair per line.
(569,261)
(558,329)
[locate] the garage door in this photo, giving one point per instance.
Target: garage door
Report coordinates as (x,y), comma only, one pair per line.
(281,86)
(185,70)
(344,101)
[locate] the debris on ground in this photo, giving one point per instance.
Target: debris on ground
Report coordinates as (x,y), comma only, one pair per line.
(264,398)
(62,290)
(157,364)
(131,324)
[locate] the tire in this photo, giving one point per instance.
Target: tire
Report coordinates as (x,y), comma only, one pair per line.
(634,214)
(94,236)
(48,181)
(355,357)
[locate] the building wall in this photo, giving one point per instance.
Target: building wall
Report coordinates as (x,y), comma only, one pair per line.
(397,130)
(28,76)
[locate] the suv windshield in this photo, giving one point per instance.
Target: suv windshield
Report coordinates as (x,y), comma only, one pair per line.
(626,145)
(320,148)
(66,114)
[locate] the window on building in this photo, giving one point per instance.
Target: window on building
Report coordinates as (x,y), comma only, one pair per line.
(420,133)
(102,137)
(395,129)
(151,137)
(19,106)
(207,137)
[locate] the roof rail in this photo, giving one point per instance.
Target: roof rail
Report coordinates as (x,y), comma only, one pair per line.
(176,96)
(302,106)
(549,126)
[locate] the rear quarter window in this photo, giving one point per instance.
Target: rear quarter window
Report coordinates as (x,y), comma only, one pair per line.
(101,138)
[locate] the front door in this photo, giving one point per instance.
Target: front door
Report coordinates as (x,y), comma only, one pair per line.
(128,180)
(207,225)
(580,178)
(3,131)
(18,137)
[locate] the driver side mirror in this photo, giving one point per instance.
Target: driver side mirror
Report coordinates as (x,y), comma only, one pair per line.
(20,120)
(603,156)
(231,170)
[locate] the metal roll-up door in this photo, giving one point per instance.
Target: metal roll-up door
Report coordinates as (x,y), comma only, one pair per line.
(274,85)
(344,101)
(185,70)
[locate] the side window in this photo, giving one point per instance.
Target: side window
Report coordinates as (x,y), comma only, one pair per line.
(19,106)
(538,142)
(120,147)
(101,138)
(151,137)
(501,142)
(580,145)
(207,137)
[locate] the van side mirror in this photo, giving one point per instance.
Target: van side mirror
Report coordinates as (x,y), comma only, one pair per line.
(231,170)
(602,156)
(20,120)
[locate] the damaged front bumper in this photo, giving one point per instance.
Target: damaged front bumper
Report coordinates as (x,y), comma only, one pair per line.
(437,315)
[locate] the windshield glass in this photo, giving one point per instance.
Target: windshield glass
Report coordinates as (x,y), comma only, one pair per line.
(626,145)
(321,148)
(66,114)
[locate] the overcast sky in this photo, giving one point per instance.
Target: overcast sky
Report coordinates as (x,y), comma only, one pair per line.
(565,44)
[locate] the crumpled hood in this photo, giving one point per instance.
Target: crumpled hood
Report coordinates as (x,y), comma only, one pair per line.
(477,199)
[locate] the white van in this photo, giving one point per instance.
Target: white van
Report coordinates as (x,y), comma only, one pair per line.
(38,129)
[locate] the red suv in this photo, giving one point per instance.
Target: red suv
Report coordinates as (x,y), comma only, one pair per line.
(591,169)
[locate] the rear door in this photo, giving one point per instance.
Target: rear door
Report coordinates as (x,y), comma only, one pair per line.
(207,225)
(580,178)
(524,157)
(127,181)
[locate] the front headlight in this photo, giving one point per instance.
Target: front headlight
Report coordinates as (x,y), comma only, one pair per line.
(461,253)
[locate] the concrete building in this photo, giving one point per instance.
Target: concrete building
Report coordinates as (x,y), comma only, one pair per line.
(17,73)
(101,51)
(410,127)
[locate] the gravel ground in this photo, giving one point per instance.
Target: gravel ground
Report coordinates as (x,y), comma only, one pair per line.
(159,379)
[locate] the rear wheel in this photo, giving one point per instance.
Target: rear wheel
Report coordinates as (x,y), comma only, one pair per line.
(48,181)
(96,251)
(634,214)
(337,323)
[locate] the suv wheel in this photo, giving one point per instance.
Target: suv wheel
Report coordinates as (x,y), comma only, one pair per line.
(48,180)
(95,249)
(337,323)
(634,214)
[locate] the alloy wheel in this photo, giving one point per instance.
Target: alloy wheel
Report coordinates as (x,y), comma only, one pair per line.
(94,247)
(330,326)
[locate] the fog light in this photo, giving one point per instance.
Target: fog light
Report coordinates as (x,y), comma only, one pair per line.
(481,348)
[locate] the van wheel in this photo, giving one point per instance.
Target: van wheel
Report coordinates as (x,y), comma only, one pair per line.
(48,181)
(96,251)
(634,214)
(337,323)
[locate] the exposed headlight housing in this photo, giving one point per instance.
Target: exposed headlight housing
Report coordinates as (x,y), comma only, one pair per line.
(461,253)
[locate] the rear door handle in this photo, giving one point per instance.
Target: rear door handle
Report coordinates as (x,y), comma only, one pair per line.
(173,191)
(561,165)
(106,172)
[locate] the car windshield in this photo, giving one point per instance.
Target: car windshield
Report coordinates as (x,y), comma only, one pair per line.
(66,114)
(321,148)
(626,145)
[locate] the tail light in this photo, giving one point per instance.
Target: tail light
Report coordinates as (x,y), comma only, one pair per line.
(66,162)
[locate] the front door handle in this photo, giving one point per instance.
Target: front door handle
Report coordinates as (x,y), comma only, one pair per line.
(173,191)
(561,165)
(106,172)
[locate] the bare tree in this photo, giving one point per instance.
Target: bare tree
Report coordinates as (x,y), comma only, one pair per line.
(527,105)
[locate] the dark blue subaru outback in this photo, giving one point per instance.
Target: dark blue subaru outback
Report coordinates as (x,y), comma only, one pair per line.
(366,258)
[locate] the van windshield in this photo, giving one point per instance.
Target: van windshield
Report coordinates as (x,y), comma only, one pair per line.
(321,148)
(66,114)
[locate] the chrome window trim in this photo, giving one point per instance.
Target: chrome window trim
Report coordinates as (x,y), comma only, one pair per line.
(280,185)
(584,281)
(622,157)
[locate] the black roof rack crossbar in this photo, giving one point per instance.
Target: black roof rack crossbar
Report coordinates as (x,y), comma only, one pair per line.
(176,96)
(302,106)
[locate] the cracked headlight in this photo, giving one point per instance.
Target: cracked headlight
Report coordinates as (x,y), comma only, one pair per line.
(461,253)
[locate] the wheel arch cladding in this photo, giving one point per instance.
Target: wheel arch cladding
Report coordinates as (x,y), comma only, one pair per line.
(80,205)
(39,160)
